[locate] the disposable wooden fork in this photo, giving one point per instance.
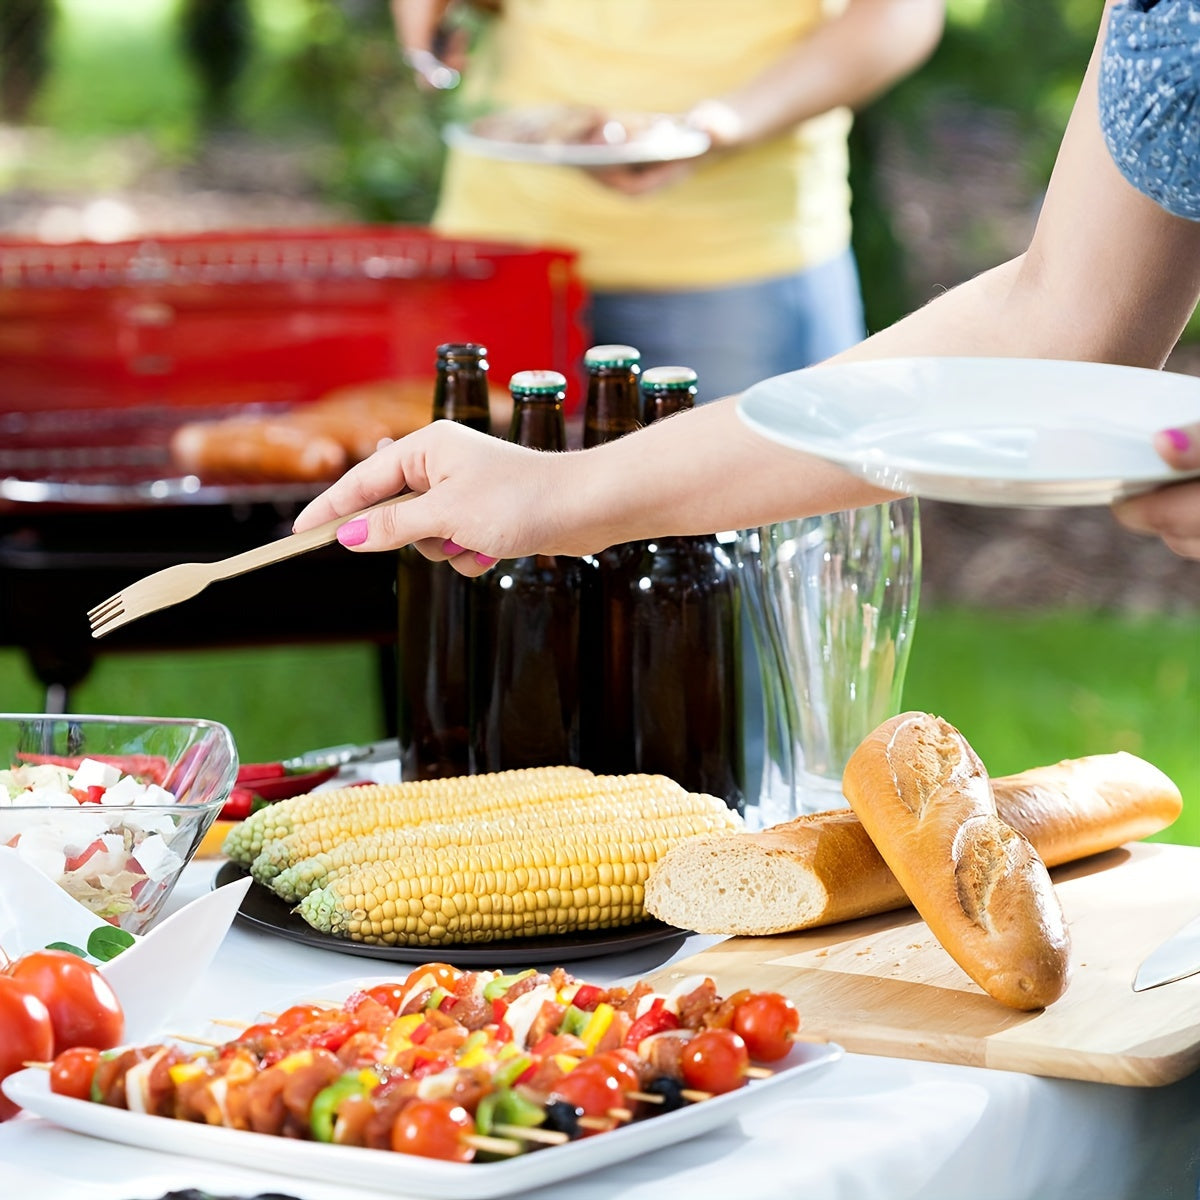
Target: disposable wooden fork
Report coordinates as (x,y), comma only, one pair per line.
(173,585)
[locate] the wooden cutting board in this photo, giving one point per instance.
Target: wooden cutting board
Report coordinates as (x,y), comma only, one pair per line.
(884,985)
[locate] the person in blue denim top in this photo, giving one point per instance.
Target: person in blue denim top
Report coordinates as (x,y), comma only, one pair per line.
(1112,274)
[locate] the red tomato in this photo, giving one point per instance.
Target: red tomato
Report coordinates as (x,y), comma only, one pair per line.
(616,1063)
(388,994)
(84,1009)
(26,1034)
(766,1022)
(715,1060)
(293,1018)
(434,1129)
(595,1090)
(72,1072)
(444,975)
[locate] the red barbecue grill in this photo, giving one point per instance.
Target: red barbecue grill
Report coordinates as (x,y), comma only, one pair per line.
(106,349)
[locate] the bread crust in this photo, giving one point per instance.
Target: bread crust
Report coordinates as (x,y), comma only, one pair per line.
(749,883)
(923,796)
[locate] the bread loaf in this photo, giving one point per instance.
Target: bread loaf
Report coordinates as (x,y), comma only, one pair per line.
(924,798)
(822,867)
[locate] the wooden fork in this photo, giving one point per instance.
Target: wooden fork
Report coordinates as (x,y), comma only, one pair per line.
(173,585)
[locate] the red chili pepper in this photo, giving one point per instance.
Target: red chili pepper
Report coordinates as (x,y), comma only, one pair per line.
(250,771)
(657,1019)
(239,805)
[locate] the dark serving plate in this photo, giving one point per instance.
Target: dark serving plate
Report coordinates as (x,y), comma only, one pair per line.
(263,910)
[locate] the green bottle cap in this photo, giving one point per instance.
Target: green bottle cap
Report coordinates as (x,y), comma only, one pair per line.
(669,377)
(612,356)
(537,383)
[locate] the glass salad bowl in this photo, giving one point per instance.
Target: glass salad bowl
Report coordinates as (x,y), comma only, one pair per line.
(112,808)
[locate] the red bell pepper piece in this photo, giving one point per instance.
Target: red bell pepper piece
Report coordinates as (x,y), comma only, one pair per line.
(656,1019)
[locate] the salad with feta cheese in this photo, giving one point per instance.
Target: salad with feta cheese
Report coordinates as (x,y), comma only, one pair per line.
(98,831)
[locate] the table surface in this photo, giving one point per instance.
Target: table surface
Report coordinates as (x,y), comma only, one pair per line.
(866,1128)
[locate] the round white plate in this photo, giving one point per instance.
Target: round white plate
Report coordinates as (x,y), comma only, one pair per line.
(659,138)
(993,431)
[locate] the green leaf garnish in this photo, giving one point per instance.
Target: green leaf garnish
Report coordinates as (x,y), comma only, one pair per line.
(106,942)
(68,948)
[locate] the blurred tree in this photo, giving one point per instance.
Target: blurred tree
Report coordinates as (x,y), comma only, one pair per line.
(217,37)
(25,28)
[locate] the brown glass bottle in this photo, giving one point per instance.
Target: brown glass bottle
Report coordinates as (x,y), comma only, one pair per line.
(613,405)
(674,611)
(433,710)
(526,625)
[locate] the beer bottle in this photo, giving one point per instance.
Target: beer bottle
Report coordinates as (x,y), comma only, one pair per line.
(433,604)
(526,624)
(677,609)
(612,406)
(611,410)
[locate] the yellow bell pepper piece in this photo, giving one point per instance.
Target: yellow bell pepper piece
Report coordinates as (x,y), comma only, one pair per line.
(597,1026)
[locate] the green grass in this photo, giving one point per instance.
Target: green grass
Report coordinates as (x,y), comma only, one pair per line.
(277,702)
(1025,689)
(1029,689)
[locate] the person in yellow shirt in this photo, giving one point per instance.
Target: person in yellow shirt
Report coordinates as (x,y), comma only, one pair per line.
(737,263)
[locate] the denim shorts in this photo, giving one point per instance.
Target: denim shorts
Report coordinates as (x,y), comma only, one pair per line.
(735,336)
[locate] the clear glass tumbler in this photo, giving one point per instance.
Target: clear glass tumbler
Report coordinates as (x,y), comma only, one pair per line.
(833,601)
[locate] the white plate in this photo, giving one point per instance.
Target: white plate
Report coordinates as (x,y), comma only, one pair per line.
(403,1173)
(661,139)
(1003,431)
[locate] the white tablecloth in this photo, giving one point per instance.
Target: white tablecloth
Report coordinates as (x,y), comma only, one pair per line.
(866,1129)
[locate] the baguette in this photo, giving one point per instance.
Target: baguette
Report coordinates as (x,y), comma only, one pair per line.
(924,798)
(822,867)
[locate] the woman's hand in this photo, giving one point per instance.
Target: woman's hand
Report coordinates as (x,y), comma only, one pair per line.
(481,499)
(1172,512)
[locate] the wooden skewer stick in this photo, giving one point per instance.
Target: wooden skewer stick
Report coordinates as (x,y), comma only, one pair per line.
(493,1145)
(759,1072)
(40,1066)
(229,1022)
(532,1133)
(197,1041)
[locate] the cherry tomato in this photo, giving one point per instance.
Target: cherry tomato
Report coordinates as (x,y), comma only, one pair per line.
(443,974)
(72,1072)
(596,1091)
(26,1034)
(295,1017)
(613,1063)
(388,994)
(434,1129)
(766,1022)
(84,1009)
(715,1060)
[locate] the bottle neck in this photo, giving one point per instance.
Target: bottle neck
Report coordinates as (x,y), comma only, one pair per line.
(461,394)
(613,405)
(538,422)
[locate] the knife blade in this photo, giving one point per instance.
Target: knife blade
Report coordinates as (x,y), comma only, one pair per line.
(1177,958)
(340,756)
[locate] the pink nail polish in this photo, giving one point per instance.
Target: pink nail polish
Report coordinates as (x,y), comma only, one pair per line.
(452,548)
(486,560)
(1178,439)
(353,533)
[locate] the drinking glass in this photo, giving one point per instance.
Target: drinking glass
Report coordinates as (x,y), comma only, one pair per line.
(833,602)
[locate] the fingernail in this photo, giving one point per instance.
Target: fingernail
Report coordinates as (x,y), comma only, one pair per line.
(353,533)
(1178,439)
(486,560)
(452,548)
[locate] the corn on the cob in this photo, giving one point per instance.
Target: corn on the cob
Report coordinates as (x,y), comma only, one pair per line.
(651,809)
(423,799)
(552,884)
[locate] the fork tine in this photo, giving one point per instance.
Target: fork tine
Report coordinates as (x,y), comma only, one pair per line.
(110,621)
(101,609)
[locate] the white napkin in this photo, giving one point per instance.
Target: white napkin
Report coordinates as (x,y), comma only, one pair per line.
(154,975)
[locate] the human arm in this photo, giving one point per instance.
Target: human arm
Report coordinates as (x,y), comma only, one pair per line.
(436,52)
(846,61)
(1108,276)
